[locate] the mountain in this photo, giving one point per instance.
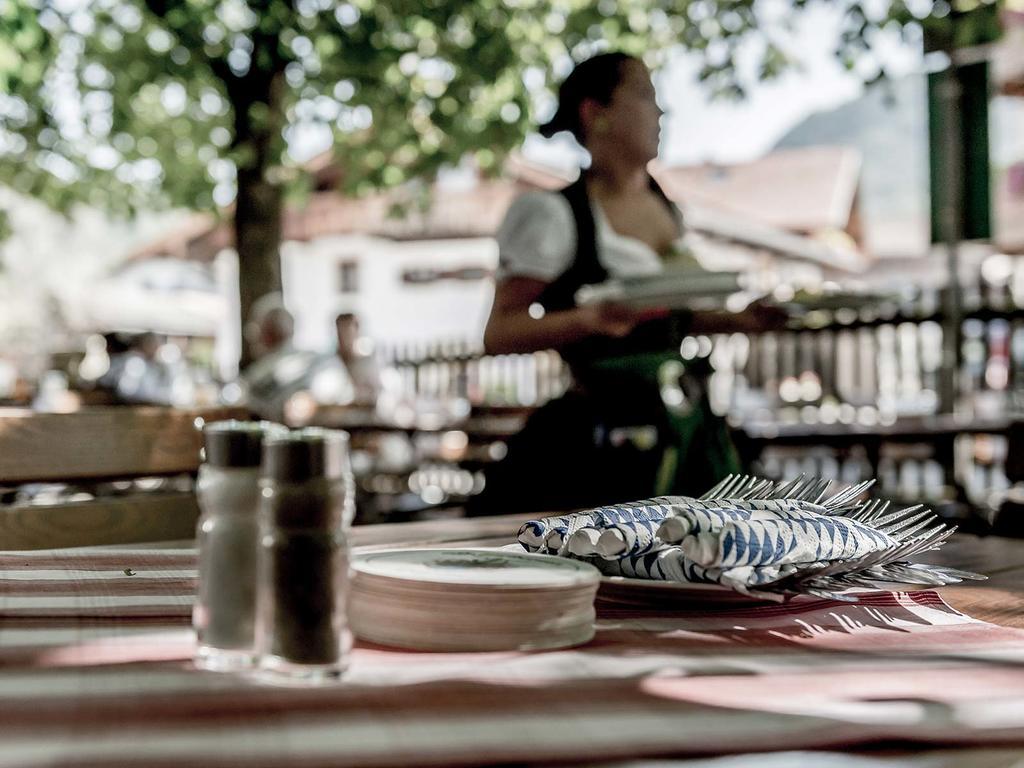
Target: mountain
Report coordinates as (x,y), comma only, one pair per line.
(889,126)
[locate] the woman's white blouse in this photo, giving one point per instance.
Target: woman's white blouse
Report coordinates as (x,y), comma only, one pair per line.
(538,239)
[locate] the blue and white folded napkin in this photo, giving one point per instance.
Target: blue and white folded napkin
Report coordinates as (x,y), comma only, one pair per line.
(552,534)
(740,543)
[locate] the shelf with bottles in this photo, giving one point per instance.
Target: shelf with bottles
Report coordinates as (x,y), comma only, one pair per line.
(961,478)
(458,369)
(428,489)
(867,375)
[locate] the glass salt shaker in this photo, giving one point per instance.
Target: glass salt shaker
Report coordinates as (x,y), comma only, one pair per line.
(226,536)
(306,506)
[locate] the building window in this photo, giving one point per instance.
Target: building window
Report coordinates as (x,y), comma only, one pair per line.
(348,277)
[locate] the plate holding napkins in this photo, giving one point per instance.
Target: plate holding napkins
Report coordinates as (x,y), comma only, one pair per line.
(757,537)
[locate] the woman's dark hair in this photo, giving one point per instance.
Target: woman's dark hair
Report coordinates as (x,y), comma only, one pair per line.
(595,79)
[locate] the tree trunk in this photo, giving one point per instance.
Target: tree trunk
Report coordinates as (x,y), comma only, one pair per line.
(258,224)
(259,206)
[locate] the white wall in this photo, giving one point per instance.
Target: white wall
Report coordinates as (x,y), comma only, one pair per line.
(389,309)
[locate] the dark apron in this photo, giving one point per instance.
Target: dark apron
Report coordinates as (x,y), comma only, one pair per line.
(635,424)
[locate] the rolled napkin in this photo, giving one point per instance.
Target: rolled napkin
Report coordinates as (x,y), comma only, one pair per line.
(684,516)
(671,564)
(631,538)
(667,564)
(531,535)
(687,521)
(583,543)
(547,533)
(552,534)
(698,516)
(556,536)
(780,541)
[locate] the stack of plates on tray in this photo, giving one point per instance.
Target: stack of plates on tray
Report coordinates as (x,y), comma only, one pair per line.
(688,288)
(471,600)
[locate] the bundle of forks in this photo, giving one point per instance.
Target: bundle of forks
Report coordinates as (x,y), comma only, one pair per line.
(759,537)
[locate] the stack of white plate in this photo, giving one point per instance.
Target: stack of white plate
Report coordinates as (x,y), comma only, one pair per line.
(471,600)
(675,288)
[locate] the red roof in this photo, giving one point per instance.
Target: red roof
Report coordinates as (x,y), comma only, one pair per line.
(456,211)
(748,214)
(803,190)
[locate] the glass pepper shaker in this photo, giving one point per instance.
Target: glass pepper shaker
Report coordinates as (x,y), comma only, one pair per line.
(306,506)
(226,536)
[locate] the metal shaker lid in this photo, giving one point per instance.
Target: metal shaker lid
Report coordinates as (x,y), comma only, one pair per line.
(237,443)
(305,454)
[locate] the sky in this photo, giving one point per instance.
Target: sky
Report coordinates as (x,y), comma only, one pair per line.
(697,129)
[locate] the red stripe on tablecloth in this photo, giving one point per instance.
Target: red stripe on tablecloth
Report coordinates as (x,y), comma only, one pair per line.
(780,692)
(249,703)
(873,611)
(119,587)
(943,644)
(125,650)
(829,625)
(130,612)
(68,621)
(394,708)
(950,642)
(97,561)
(138,560)
(569,753)
(697,608)
(812,733)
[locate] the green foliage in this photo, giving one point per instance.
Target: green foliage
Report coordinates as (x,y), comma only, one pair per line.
(146,103)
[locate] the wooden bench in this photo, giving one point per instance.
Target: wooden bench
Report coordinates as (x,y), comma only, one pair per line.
(96,445)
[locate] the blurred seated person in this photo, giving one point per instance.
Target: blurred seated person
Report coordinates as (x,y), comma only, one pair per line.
(15,389)
(270,327)
(105,363)
(137,372)
(632,425)
(356,353)
(350,375)
(278,370)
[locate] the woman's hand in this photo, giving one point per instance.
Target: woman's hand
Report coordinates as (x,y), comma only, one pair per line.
(512,327)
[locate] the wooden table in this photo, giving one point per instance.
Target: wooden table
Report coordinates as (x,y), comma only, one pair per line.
(892,676)
(1000,599)
(92,450)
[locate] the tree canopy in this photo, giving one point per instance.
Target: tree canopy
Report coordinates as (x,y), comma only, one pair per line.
(128,104)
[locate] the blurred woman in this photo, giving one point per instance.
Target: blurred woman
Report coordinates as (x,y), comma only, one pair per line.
(613,437)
